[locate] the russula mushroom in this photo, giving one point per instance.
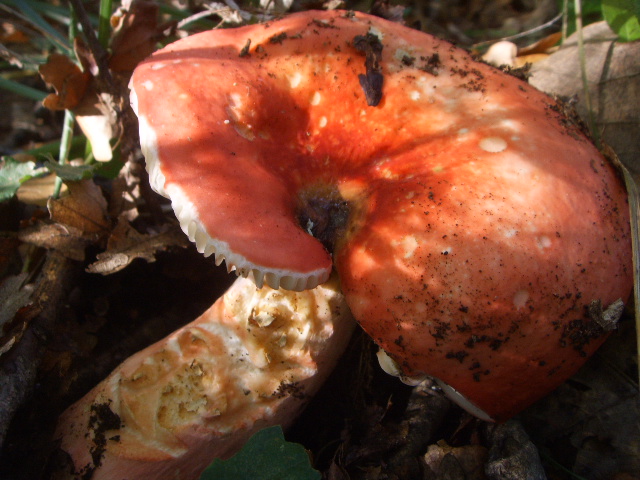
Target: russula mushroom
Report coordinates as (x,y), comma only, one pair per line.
(474,228)
(253,359)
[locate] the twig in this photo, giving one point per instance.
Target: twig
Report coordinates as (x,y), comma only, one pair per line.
(65,147)
(565,19)
(521,34)
(101,56)
(595,134)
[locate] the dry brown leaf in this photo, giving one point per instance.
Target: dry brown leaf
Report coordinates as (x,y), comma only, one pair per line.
(541,46)
(38,190)
(85,209)
(522,60)
(69,82)
(10,34)
(126,244)
(596,414)
(136,34)
(125,195)
(468,460)
(67,240)
(15,298)
(8,253)
(13,295)
(613,77)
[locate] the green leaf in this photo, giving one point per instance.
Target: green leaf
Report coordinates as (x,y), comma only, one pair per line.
(13,174)
(69,172)
(23,90)
(623,18)
(266,456)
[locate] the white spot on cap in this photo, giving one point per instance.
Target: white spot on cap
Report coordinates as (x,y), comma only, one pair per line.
(147,85)
(414,95)
(493,144)
(315,100)
(158,66)
(408,244)
(235,100)
(520,298)
(510,124)
(543,242)
(322,122)
(447,251)
(295,80)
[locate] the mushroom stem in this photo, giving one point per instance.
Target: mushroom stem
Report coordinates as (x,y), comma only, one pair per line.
(252,360)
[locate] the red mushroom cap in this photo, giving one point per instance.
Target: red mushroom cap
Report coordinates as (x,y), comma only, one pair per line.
(471,223)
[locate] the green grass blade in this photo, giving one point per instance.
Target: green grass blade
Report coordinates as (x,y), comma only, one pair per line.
(26,10)
(104,23)
(21,89)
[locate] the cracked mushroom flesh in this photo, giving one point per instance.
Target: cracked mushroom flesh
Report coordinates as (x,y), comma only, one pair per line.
(471,223)
(252,360)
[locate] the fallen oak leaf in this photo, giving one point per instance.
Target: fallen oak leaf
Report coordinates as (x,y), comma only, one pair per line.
(9,33)
(442,459)
(127,244)
(8,253)
(136,34)
(66,78)
(96,113)
(15,296)
(76,90)
(66,240)
(544,45)
(85,208)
